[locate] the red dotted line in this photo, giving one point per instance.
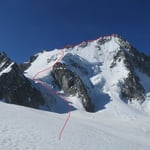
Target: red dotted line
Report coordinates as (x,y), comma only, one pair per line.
(53,92)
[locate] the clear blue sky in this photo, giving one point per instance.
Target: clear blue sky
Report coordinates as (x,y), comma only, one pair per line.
(29,26)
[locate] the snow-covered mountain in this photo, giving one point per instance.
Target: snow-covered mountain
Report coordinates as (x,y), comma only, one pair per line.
(106,72)
(93,75)
(107,76)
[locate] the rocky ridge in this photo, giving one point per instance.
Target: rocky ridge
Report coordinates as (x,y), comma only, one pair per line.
(15,88)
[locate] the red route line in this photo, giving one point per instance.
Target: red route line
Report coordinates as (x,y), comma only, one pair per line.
(58,59)
(55,93)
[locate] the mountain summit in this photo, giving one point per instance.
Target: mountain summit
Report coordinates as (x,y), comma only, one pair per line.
(93,75)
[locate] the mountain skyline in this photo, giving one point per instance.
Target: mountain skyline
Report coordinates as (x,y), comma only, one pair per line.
(30,26)
(89,72)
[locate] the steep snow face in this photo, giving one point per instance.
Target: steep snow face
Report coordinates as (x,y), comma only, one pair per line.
(102,65)
(31,129)
(43,60)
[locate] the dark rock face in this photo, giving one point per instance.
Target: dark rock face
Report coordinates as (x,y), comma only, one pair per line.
(24,66)
(4,61)
(134,58)
(71,84)
(118,57)
(103,41)
(142,62)
(15,88)
(132,89)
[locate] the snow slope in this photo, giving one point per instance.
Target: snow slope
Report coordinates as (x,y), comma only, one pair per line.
(30,129)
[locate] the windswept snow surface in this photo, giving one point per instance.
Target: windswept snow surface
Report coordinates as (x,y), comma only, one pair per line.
(30,129)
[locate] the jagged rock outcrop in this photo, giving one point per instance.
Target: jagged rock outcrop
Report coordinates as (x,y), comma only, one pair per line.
(132,89)
(15,88)
(118,57)
(134,58)
(71,84)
